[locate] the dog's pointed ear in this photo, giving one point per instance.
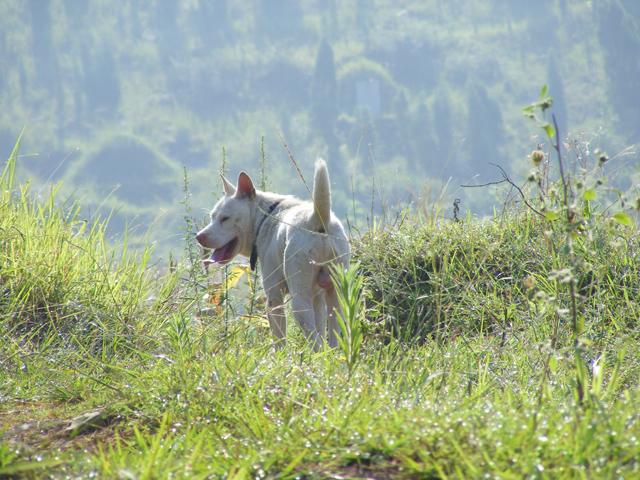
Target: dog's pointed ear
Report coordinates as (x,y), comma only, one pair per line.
(229,189)
(245,186)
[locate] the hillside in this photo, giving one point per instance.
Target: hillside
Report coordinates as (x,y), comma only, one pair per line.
(499,348)
(404,99)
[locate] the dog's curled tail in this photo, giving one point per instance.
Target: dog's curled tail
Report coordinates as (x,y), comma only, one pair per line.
(321,194)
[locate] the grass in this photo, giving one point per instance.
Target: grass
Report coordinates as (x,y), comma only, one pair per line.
(465,369)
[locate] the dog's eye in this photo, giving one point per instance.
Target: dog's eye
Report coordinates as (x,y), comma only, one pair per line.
(224,219)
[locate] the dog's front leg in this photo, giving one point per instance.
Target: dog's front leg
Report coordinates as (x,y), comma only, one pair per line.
(276,316)
(275,288)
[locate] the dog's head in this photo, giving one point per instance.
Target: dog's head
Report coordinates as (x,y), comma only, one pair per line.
(230,229)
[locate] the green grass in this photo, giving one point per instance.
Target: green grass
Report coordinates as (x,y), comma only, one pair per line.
(467,366)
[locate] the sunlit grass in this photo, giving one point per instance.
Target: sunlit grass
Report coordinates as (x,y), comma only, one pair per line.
(465,369)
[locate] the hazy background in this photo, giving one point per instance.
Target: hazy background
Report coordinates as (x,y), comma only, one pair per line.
(400,97)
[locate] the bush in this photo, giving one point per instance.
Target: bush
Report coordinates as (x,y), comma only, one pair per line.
(428,280)
(60,282)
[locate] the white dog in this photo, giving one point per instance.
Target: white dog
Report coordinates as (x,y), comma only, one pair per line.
(295,242)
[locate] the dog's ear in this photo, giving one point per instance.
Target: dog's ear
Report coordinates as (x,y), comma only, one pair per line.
(245,187)
(229,189)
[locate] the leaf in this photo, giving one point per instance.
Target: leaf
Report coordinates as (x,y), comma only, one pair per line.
(296,460)
(551,132)
(544,91)
(215,298)
(257,319)
(88,421)
(235,274)
(623,219)
(553,364)
(11,470)
(589,195)
(551,215)
(528,111)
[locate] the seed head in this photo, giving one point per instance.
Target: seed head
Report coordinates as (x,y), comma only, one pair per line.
(602,159)
(537,156)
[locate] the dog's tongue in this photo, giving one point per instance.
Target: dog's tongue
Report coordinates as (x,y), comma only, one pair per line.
(222,254)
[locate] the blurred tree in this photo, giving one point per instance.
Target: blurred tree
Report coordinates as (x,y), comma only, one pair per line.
(324,91)
(543,25)
(364,14)
(442,127)
(42,41)
(632,7)
(46,59)
(211,20)
(279,19)
(556,89)
(223,64)
(75,11)
(390,134)
(101,82)
(7,140)
(485,131)
(284,83)
(414,64)
(329,12)
(135,11)
(168,34)
(619,34)
(402,138)
(4,54)
(424,152)
(563,8)
(139,181)
(526,9)
(363,83)
(363,137)
(170,42)
(324,101)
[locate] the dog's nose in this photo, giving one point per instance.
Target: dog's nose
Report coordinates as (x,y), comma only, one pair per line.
(201,238)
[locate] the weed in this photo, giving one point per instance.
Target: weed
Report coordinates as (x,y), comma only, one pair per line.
(348,285)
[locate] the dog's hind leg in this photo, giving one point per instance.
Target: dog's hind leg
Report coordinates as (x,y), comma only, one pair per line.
(304,313)
(320,312)
(333,307)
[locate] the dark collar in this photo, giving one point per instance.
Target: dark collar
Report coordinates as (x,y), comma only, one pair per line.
(254,248)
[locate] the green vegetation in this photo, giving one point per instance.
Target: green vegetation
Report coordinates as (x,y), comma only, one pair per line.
(412,93)
(504,348)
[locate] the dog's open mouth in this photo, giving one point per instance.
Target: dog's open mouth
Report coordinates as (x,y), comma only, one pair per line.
(223,254)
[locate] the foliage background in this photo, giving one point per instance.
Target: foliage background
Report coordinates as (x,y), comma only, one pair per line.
(402,97)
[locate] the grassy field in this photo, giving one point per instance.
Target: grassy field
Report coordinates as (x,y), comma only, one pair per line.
(504,348)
